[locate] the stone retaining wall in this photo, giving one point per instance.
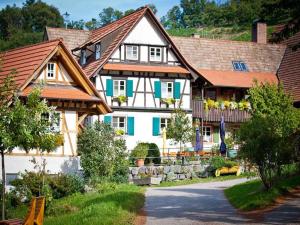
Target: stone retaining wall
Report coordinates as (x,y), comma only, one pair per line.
(168,173)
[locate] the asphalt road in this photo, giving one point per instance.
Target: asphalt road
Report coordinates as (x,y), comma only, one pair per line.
(205,203)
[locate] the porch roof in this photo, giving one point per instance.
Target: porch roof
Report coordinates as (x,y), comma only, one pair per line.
(145,68)
(237,79)
(63,93)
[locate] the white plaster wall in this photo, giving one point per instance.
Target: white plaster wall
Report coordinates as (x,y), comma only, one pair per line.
(145,33)
(54,164)
(139,101)
(143,125)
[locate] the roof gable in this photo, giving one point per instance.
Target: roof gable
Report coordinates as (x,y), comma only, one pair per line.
(125,25)
(29,61)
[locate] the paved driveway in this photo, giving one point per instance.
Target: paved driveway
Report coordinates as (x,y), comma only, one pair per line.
(204,203)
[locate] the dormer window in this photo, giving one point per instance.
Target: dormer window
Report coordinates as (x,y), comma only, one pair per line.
(50,73)
(155,54)
(239,66)
(97,51)
(132,52)
(83,57)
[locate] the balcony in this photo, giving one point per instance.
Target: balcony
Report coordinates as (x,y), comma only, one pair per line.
(214,115)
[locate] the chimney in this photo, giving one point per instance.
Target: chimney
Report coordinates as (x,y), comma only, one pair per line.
(196,35)
(259,31)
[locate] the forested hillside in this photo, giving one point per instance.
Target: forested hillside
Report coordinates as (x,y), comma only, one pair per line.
(225,19)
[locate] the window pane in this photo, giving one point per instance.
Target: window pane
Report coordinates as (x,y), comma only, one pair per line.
(164,89)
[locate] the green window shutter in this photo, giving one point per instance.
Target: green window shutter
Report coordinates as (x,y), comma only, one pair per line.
(216,135)
(130,126)
(157,89)
(155,126)
(109,87)
(129,88)
(176,93)
(107,119)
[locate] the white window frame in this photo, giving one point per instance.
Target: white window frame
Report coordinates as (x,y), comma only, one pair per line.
(155,57)
(130,49)
(55,128)
(117,88)
(207,138)
(50,71)
(97,51)
(116,123)
(166,121)
(167,89)
(83,57)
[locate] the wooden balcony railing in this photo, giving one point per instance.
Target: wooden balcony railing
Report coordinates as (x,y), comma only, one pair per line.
(214,115)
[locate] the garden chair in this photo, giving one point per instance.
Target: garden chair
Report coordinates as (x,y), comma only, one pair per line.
(29,219)
(39,211)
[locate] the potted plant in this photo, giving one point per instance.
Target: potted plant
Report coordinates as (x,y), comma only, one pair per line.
(120,99)
(139,153)
(119,132)
(168,101)
(230,146)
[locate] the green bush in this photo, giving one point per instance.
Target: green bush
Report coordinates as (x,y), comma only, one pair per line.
(102,154)
(63,185)
(218,162)
(140,151)
(153,152)
(106,187)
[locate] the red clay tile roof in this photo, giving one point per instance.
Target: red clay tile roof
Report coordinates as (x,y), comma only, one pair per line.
(25,60)
(125,25)
(28,60)
(97,34)
(63,93)
(237,79)
(145,68)
(289,70)
(219,54)
(72,38)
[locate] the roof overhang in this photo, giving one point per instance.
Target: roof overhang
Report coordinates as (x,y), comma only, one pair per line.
(146,68)
(237,79)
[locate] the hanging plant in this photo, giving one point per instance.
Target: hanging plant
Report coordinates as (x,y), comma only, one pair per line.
(210,103)
(168,101)
(227,104)
(121,99)
(119,132)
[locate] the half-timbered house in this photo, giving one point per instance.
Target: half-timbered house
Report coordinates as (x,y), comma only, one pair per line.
(65,87)
(139,72)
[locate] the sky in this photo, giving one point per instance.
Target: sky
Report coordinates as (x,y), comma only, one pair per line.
(87,9)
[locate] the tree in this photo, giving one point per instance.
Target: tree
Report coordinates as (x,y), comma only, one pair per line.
(153,8)
(76,25)
(37,15)
(102,153)
(22,124)
(268,139)
(92,24)
(173,19)
(180,128)
(109,15)
(129,11)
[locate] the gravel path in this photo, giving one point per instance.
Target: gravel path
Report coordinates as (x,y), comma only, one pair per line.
(205,203)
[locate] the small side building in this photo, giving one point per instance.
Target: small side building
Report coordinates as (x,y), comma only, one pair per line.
(66,87)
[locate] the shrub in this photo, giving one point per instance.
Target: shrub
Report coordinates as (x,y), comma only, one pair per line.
(140,151)
(153,152)
(102,154)
(63,185)
(218,162)
(104,187)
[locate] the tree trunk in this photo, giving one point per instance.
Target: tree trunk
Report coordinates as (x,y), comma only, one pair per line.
(3,185)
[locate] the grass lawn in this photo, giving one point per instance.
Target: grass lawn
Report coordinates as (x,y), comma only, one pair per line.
(200,180)
(252,195)
(116,207)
